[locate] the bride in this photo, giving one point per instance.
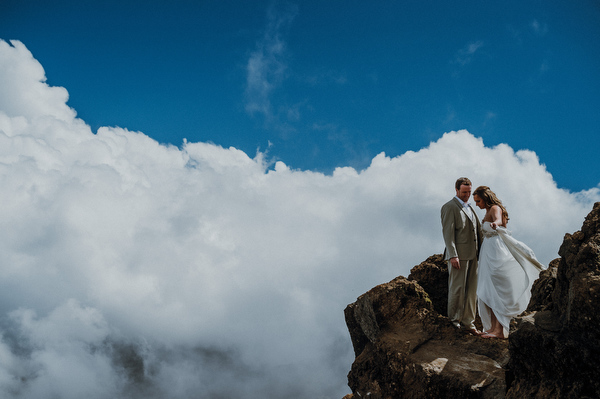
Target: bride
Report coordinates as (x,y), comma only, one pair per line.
(507,268)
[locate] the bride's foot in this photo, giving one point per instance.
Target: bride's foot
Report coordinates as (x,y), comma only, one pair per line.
(492,334)
(489,335)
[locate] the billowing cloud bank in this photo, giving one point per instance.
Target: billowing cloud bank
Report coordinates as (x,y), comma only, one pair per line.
(137,270)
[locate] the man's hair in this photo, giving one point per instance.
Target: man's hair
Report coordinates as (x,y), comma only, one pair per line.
(462,181)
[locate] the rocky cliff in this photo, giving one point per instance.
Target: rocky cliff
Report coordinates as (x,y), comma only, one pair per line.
(406,347)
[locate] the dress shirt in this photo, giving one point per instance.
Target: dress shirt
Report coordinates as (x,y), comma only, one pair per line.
(467,207)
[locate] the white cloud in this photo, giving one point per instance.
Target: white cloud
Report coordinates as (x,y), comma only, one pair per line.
(539,28)
(267,65)
(152,271)
(465,54)
(24,92)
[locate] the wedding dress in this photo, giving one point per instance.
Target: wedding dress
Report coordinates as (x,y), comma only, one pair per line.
(507,270)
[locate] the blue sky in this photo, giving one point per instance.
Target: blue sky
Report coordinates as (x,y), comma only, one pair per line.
(322,84)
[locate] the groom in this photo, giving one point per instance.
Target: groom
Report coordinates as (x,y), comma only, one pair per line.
(462,235)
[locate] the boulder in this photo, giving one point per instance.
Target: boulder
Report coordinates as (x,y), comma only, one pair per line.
(406,349)
(555,344)
(432,275)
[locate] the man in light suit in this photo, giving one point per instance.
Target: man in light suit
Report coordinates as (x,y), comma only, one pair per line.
(462,235)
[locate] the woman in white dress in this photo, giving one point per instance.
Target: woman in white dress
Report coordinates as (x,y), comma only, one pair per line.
(507,268)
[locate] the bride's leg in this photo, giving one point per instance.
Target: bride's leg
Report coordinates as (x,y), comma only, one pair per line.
(497,331)
(495,322)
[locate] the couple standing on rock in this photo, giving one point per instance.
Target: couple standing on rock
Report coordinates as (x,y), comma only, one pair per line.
(487,267)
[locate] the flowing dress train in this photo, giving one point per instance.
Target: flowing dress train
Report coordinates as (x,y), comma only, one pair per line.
(507,270)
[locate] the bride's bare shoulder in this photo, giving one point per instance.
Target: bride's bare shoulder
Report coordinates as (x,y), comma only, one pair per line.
(495,210)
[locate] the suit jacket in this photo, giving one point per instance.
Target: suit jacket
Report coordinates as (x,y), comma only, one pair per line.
(461,236)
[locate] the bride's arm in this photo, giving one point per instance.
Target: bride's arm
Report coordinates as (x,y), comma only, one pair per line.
(496,214)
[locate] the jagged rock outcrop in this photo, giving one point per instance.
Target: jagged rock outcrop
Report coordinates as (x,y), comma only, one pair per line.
(405,347)
(555,343)
(432,275)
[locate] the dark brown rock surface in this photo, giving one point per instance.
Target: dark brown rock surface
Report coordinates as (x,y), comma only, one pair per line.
(405,347)
(555,344)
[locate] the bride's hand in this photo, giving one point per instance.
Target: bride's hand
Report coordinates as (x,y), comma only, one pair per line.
(493,225)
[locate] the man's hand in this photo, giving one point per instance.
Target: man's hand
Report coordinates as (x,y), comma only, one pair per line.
(455,263)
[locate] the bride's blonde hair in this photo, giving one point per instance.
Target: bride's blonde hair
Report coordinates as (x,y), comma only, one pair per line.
(489,197)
